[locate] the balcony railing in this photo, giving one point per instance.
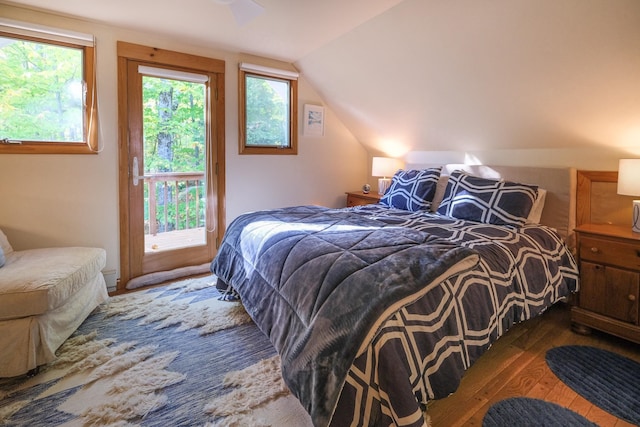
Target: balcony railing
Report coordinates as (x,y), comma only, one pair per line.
(174,201)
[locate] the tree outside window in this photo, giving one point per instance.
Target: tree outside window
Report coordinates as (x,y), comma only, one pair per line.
(268,108)
(45,96)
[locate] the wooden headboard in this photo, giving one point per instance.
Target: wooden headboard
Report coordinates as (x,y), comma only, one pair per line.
(597,200)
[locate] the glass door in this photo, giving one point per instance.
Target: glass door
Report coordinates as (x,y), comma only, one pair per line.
(174,158)
(171,207)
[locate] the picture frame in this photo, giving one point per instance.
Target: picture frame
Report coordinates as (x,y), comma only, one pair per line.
(313,120)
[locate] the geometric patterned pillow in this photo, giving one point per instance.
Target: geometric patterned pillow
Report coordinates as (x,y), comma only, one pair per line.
(488,201)
(412,190)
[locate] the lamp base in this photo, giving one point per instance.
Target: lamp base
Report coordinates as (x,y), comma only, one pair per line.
(384,183)
(635,226)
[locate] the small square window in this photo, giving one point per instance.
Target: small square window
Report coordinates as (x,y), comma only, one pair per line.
(46,96)
(268,111)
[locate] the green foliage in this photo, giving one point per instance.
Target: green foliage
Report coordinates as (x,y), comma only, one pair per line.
(267,112)
(40,91)
(190,209)
(175,141)
(175,110)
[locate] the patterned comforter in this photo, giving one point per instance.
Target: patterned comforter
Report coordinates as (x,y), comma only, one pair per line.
(375,311)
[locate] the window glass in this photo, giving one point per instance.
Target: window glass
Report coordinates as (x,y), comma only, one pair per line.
(44,95)
(268,106)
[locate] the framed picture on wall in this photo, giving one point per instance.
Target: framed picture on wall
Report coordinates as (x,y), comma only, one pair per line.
(313,120)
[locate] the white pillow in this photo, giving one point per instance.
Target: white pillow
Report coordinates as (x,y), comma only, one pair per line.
(2,259)
(4,244)
(440,190)
(536,209)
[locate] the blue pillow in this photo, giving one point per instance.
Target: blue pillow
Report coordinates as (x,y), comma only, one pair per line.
(487,200)
(2,259)
(412,190)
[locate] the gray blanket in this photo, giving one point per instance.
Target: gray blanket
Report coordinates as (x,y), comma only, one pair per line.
(319,282)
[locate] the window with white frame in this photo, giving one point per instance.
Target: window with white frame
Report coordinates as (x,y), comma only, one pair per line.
(47,90)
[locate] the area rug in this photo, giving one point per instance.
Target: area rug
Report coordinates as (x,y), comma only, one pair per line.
(606,379)
(169,356)
(524,411)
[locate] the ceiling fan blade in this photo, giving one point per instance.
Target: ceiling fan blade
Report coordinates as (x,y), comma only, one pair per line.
(245,11)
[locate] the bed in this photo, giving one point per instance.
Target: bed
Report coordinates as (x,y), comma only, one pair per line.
(375,310)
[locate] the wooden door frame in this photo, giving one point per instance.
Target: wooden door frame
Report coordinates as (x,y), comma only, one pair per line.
(126,52)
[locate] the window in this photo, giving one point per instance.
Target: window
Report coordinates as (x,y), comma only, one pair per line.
(46,90)
(268,110)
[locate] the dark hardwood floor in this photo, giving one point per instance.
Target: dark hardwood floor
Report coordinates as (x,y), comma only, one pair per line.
(515,366)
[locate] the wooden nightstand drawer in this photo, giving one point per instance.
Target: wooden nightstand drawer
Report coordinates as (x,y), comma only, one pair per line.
(358,198)
(609,295)
(610,252)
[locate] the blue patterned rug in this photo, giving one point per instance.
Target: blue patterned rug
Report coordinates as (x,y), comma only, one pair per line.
(524,411)
(604,378)
(168,356)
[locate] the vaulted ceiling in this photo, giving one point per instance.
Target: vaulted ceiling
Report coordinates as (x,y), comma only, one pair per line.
(411,75)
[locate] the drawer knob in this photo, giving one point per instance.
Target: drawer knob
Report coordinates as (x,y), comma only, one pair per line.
(632,297)
(595,250)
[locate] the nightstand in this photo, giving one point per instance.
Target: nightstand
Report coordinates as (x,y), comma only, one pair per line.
(609,258)
(358,198)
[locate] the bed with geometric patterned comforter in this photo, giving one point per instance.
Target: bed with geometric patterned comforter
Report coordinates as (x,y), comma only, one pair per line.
(375,311)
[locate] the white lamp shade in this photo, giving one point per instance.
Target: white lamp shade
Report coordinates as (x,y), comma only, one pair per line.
(385,166)
(629,177)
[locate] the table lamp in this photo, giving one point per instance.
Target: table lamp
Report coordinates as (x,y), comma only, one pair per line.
(384,167)
(629,185)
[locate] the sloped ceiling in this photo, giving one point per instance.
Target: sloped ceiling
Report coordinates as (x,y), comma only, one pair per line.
(411,75)
(473,75)
(287,30)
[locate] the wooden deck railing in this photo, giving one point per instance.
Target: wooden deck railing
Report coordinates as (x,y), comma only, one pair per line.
(174,201)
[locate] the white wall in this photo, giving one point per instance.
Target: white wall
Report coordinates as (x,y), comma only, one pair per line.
(468,75)
(58,200)
(62,200)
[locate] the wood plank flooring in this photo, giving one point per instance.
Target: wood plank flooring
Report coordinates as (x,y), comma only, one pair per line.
(174,239)
(515,366)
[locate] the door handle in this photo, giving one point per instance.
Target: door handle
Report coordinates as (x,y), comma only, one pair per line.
(135,172)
